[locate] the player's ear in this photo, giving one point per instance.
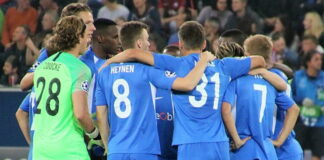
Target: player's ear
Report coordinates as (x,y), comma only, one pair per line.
(204,45)
(181,45)
(138,43)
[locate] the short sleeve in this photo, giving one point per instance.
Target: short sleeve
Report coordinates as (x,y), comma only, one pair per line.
(283,101)
(236,67)
(166,62)
(42,57)
(161,79)
(100,98)
(230,93)
(81,80)
(25,104)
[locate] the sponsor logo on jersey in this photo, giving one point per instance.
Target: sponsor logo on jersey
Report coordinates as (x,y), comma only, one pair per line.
(165,116)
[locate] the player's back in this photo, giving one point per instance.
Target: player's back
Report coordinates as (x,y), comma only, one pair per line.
(198,111)
(55,124)
(255,100)
(129,96)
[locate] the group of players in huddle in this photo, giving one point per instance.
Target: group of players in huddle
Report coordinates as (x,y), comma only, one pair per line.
(142,105)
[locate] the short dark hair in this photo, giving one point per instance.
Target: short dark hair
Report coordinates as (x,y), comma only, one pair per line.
(130,32)
(172,50)
(101,25)
(234,35)
(276,36)
(311,37)
(74,9)
(308,56)
(66,36)
(26,29)
(13,60)
(192,34)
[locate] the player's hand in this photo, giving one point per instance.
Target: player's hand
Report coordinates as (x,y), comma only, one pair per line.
(257,71)
(208,56)
(239,143)
(94,142)
(276,143)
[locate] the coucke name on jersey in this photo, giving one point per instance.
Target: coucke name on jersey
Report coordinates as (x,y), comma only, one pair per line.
(52,66)
(164,116)
(122,68)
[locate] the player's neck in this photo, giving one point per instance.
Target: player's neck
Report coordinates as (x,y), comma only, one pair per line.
(75,52)
(187,52)
(99,52)
(312,72)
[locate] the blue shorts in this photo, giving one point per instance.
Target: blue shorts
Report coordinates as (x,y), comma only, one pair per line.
(205,151)
(290,150)
(132,156)
(254,150)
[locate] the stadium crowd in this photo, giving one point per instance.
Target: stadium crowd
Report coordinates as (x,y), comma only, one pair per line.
(295,27)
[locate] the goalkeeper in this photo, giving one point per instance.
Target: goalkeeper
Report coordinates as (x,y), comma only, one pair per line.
(61,85)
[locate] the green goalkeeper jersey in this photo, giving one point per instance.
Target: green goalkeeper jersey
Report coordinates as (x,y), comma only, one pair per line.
(58,135)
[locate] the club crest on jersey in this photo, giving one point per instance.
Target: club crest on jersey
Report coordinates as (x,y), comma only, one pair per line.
(170,74)
(84,85)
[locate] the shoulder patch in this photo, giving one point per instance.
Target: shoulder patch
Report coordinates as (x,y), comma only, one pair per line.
(84,86)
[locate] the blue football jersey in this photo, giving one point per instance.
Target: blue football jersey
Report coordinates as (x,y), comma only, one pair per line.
(164,116)
(42,56)
(197,113)
(94,63)
(29,105)
(128,91)
(255,99)
(291,147)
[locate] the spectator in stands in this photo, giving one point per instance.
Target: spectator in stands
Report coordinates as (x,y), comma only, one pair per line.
(244,18)
(169,10)
(23,13)
(313,25)
(219,10)
(21,41)
(181,18)
(112,10)
(10,70)
(48,23)
(146,13)
(212,29)
(280,52)
(45,6)
(283,25)
(309,43)
(308,92)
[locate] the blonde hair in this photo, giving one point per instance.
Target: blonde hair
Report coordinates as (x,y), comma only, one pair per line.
(228,49)
(258,45)
(317,26)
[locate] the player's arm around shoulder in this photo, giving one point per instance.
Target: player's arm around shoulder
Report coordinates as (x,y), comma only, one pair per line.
(257,62)
(271,77)
(190,81)
(131,55)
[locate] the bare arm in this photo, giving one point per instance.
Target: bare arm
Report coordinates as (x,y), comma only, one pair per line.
(257,62)
(131,55)
(271,77)
(27,81)
(103,124)
(189,82)
(289,123)
(80,109)
(230,125)
(23,120)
